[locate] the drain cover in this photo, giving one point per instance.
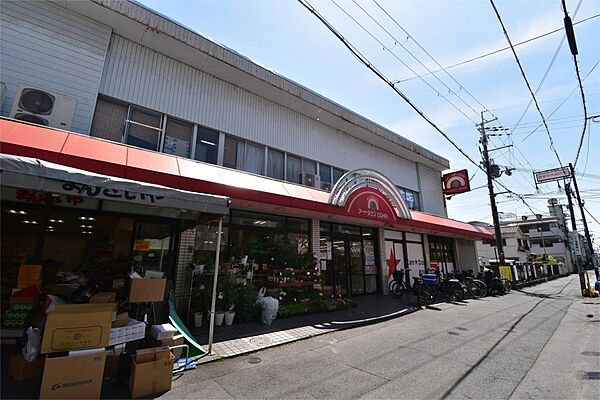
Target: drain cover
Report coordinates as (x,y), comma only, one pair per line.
(254,360)
(591,353)
(260,341)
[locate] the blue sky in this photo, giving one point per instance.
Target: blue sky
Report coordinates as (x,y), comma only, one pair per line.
(285,37)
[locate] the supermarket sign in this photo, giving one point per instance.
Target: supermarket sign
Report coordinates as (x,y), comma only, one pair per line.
(550,175)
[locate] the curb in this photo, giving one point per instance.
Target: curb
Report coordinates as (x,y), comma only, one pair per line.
(327,327)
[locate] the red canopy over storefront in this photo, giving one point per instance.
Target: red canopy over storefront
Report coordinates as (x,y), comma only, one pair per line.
(119,160)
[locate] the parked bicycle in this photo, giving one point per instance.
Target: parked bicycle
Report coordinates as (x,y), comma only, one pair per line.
(450,288)
(475,287)
(425,294)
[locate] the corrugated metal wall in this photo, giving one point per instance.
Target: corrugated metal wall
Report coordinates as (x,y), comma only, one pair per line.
(430,184)
(145,77)
(55,49)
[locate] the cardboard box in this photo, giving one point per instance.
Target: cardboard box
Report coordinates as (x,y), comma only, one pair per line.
(22,370)
(134,330)
(163,331)
(63,290)
(175,341)
(146,290)
(77,326)
(30,272)
(25,284)
(111,367)
(76,376)
(152,354)
(104,297)
(121,320)
(151,377)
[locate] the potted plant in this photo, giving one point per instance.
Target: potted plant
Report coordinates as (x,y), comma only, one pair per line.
(226,301)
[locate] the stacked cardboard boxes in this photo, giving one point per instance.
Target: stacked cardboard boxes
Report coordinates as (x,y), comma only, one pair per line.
(29,275)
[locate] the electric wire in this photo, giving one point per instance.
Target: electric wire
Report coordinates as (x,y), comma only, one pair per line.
(560,44)
(537,106)
(585,114)
(381,76)
(431,57)
(590,214)
(359,56)
(470,60)
(461,87)
(562,103)
(587,153)
(386,48)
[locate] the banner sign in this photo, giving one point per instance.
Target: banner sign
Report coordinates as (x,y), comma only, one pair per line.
(456,182)
(550,175)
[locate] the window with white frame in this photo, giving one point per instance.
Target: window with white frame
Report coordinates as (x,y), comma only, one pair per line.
(293,169)
(309,166)
(207,145)
(178,138)
(243,155)
(275,163)
(254,158)
(337,174)
(119,121)
(325,176)
(143,128)
(410,197)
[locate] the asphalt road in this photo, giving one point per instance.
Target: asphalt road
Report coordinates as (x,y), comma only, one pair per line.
(540,343)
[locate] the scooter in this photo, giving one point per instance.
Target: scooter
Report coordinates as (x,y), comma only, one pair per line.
(494,283)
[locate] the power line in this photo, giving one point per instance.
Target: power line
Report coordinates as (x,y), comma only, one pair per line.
(401,61)
(501,50)
(461,87)
(562,41)
(381,76)
(590,214)
(570,33)
(426,52)
(562,103)
(359,56)
(537,106)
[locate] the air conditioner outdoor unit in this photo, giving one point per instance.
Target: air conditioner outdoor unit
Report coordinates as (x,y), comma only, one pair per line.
(43,107)
(309,179)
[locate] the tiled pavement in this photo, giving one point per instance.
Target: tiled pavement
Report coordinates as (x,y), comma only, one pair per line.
(230,341)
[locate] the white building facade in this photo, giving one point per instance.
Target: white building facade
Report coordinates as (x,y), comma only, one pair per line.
(132,76)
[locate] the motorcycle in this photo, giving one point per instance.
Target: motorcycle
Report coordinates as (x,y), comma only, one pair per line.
(494,284)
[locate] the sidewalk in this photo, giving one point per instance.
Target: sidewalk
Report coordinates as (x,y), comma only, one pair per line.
(230,341)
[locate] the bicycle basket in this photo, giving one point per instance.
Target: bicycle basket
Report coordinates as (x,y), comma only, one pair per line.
(398,276)
(429,279)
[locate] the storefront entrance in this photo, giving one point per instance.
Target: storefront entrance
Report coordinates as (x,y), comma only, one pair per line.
(441,253)
(348,261)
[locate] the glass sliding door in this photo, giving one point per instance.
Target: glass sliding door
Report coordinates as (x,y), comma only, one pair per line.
(370,266)
(356,267)
(340,275)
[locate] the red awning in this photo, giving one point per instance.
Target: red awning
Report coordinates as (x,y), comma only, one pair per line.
(119,160)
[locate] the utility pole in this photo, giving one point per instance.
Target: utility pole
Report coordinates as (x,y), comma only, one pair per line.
(490,184)
(585,225)
(573,223)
